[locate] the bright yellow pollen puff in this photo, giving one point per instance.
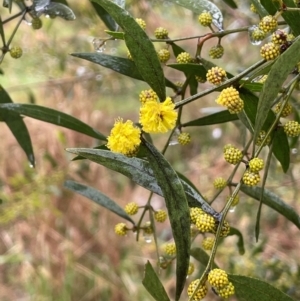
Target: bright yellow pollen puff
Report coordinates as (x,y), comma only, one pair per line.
(158,117)
(124,138)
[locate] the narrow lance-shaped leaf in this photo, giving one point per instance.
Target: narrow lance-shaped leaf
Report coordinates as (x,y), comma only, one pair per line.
(240,242)
(98,197)
(269,6)
(140,172)
(178,211)
(252,289)
(281,147)
(105,17)
(153,285)
(52,116)
(141,48)
(260,9)
(2,32)
(201,256)
(277,75)
(17,126)
(273,201)
(8,4)
(198,7)
(189,68)
(119,64)
(216,118)
(292,18)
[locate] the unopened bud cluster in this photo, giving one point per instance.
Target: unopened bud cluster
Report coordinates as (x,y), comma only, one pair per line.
(216,75)
(200,293)
(216,52)
(232,154)
(141,22)
(205,18)
(268,24)
(160,216)
(163,55)
(161,33)
(260,138)
(256,164)
(184,138)
(184,58)
(219,183)
(230,98)
(131,208)
(147,95)
(292,128)
(206,223)
(120,229)
(270,51)
(170,249)
(208,243)
(287,110)
(251,178)
(218,279)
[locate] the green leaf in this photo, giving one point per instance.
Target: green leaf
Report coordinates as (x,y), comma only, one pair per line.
(216,118)
(119,64)
(140,172)
(198,7)
(231,3)
(240,242)
(269,6)
(273,201)
(116,34)
(2,32)
(252,289)
(52,116)
(17,126)
(263,70)
(178,211)
(276,77)
(201,256)
(190,69)
(280,148)
(193,84)
(105,17)
(8,4)
(176,49)
(261,10)
(153,285)
(253,87)
(141,48)
(292,18)
(98,197)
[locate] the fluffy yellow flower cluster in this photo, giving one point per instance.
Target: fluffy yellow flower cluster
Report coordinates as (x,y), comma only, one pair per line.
(158,117)
(155,117)
(124,138)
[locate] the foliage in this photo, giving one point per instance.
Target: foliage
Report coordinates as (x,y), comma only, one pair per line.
(249,102)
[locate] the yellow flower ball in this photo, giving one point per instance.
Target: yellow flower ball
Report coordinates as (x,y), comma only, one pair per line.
(208,243)
(120,229)
(124,138)
(218,278)
(170,248)
(200,293)
(158,117)
(131,208)
(160,216)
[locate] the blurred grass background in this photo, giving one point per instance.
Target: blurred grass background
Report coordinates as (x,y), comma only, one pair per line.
(55,245)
